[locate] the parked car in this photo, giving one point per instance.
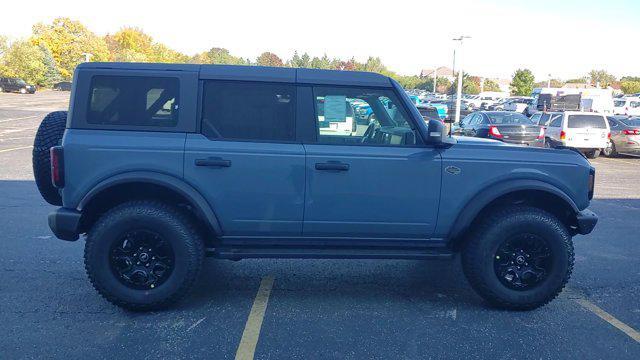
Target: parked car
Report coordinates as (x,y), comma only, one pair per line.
(62,86)
(519,104)
(626,106)
(429,112)
(161,165)
(16,85)
(506,126)
(586,131)
(625,136)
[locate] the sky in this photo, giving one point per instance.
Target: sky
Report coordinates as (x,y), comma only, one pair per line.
(564,38)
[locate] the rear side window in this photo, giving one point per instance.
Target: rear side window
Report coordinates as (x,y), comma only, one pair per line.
(586,121)
(544,119)
(133,101)
(248,111)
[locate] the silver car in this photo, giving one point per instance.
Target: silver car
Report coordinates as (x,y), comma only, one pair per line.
(625,136)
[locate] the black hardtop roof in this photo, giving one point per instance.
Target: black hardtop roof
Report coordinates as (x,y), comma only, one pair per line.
(256,73)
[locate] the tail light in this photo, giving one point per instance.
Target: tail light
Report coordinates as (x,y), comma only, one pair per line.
(629,132)
(57,166)
(541,134)
(563,135)
(493,131)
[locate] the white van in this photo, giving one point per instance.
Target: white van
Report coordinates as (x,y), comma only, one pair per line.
(593,100)
(626,106)
(586,131)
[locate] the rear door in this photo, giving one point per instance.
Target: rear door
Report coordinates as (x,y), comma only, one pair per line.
(587,131)
(384,185)
(245,159)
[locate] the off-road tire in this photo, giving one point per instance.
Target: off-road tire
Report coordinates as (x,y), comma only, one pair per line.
(478,256)
(49,135)
(175,226)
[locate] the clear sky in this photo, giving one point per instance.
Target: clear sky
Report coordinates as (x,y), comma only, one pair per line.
(565,38)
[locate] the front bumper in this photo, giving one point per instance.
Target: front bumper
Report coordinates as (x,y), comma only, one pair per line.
(586,221)
(65,223)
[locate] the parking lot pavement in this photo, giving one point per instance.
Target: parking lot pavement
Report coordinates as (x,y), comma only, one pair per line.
(315,308)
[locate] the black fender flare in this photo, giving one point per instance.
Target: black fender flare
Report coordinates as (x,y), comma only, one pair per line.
(202,207)
(490,193)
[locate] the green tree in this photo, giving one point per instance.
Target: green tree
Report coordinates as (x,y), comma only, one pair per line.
(26,61)
(68,40)
(630,78)
(581,80)
(630,87)
(4,45)
(51,74)
(490,85)
(269,59)
(601,78)
(218,56)
(555,83)
(298,61)
(163,54)
(522,82)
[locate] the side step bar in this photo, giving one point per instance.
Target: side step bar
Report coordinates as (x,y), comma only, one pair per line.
(237,253)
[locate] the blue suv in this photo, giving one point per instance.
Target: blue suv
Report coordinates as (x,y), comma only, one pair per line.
(160,165)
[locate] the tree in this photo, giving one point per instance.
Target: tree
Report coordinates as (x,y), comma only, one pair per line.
(582,80)
(26,61)
(218,56)
(522,82)
(68,40)
(630,87)
(130,44)
(298,61)
(490,85)
(601,78)
(269,59)
(4,45)
(555,83)
(51,74)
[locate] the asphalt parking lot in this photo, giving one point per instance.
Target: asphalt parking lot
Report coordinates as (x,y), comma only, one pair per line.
(355,309)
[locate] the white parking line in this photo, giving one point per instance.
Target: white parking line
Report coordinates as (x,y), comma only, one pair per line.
(18,148)
(19,118)
(247,348)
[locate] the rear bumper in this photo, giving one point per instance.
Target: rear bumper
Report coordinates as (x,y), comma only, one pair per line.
(586,220)
(64,223)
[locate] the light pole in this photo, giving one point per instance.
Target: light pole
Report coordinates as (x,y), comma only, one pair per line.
(459,92)
(549,81)
(435,78)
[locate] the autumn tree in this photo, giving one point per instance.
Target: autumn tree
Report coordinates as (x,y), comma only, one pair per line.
(490,85)
(68,41)
(601,78)
(269,59)
(218,56)
(630,86)
(522,82)
(26,61)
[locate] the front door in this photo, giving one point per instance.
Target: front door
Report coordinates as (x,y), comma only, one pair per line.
(382,184)
(245,160)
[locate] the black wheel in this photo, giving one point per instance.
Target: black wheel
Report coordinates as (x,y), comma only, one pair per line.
(519,258)
(593,154)
(547,143)
(610,150)
(49,134)
(143,255)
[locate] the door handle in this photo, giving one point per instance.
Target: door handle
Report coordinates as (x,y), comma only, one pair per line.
(336,166)
(213,162)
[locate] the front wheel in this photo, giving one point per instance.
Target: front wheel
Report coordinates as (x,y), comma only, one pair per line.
(519,258)
(143,255)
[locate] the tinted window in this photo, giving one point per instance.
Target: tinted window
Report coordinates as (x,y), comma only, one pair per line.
(586,121)
(133,101)
(383,123)
(248,111)
(632,122)
(508,118)
(544,119)
(556,120)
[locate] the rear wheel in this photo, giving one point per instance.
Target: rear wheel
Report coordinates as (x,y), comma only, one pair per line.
(49,134)
(593,154)
(143,255)
(519,258)
(610,150)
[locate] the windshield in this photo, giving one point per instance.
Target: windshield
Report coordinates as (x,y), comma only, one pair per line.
(586,121)
(508,118)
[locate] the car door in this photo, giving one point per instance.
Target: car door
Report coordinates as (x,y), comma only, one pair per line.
(383,185)
(245,159)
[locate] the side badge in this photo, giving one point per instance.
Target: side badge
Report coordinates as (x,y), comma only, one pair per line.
(453,170)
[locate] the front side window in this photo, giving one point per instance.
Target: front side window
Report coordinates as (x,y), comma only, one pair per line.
(248,111)
(361,116)
(133,101)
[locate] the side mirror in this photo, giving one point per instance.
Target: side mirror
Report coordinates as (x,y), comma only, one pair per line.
(436,133)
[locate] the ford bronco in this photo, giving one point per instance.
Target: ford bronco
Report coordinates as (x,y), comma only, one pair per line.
(160,165)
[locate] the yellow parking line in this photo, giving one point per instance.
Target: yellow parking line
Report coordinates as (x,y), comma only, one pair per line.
(251,333)
(588,305)
(18,148)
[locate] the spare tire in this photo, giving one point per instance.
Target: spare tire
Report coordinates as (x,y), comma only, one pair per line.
(49,135)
